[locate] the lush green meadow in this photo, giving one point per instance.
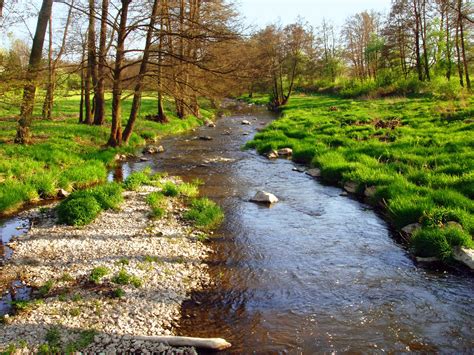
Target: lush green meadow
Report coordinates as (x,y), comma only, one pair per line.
(66,154)
(417,154)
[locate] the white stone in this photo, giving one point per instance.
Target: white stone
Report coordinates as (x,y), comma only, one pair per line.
(264,197)
(314,172)
(272,154)
(285,151)
(465,256)
(246,123)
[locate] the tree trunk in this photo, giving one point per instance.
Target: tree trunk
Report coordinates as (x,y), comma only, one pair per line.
(448,45)
(424,40)
(463,48)
(137,95)
(458,53)
(116,129)
(161,116)
(47,104)
(417,41)
(53,64)
(99,116)
(23,134)
(91,65)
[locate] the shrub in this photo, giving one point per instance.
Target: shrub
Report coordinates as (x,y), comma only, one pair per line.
(98,273)
(109,196)
(188,189)
(204,213)
(137,179)
(124,278)
(156,201)
(430,242)
(170,189)
(78,211)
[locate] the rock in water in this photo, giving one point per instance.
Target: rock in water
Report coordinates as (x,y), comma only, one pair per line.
(285,152)
(314,172)
(351,187)
(246,123)
(465,256)
(264,197)
(272,154)
(205,138)
(153,149)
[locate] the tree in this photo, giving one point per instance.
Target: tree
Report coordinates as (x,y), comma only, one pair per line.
(23,135)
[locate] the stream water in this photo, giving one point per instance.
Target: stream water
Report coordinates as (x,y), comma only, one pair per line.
(317,272)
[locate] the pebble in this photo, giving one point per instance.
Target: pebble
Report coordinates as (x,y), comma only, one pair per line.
(113,236)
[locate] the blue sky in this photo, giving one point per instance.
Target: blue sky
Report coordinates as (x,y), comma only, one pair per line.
(263,12)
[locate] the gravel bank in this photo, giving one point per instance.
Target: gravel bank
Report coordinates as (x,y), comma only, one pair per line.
(163,254)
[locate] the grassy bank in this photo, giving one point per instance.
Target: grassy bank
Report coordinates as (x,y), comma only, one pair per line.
(66,154)
(415,155)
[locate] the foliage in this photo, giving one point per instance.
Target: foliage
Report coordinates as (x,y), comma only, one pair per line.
(137,179)
(98,273)
(124,278)
(78,211)
(204,213)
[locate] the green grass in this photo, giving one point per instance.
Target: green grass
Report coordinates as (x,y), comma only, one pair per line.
(98,274)
(417,152)
(78,211)
(157,202)
(82,207)
(124,278)
(67,155)
(204,213)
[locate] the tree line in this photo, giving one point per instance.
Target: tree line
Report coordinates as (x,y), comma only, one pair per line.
(188,49)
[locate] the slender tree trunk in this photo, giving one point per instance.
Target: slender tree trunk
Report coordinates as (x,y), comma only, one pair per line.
(91,65)
(23,134)
(99,115)
(448,45)
(161,116)
(116,129)
(47,106)
(83,88)
(463,47)
(417,41)
(137,94)
(458,53)
(424,40)
(53,64)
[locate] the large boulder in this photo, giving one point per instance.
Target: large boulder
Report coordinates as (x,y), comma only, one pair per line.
(465,256)
(264,197)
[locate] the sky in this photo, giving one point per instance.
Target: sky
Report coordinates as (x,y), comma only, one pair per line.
(264,12)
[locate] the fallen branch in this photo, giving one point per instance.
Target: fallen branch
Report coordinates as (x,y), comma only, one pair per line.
(201,343)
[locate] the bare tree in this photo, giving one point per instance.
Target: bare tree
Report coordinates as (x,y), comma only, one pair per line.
(23,135)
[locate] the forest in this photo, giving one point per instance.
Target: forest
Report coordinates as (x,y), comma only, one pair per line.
(109,108)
